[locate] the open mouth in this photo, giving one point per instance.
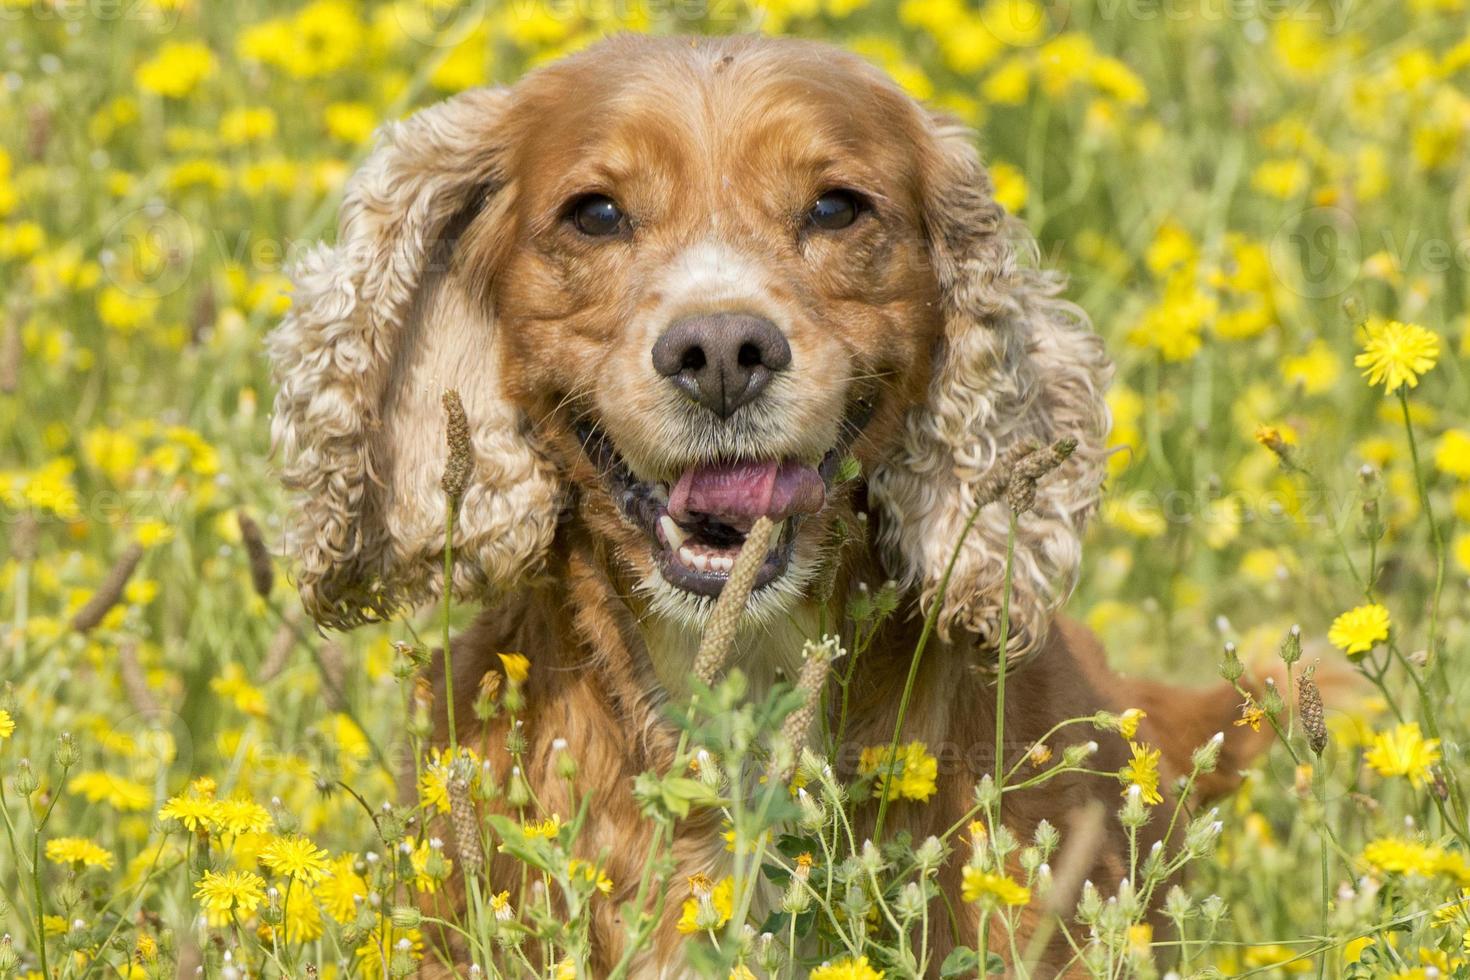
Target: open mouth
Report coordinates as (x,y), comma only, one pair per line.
(697,523)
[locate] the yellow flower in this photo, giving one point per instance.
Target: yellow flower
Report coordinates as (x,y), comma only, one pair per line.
(1010,186)
(1453,454)
(230,892)
(1316,369)
(1250,714)
(517,667)
(7,725)
(846,969)
(991,888)
(295,857)
(546,829)
(1404,752)
(176,70)
(303,920)
(194,812)
(78,850)
(1282,179)
(1142,771)
(709,905)
(1358,629)
(1128,722)
(241,817)
(1397,855)
(121,794)
(342,889)
(1397,353)
(425,879)
(351,122)
(916,771)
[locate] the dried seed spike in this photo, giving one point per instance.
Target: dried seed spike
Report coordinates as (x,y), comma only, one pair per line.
(814,671)
(1309,706)
(262,575)
(457,433)
(719,630)
(1021,492)
(462,817)
(111,590)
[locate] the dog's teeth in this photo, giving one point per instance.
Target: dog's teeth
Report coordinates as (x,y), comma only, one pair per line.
(701,562)
(686,557)
(673,534)
(720,563)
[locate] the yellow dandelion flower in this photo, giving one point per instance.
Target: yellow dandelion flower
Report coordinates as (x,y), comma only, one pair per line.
(295,857)
(517,667)
(1250,714)
(1404,752)
(241,817)
(7,725)
(127,795)
(194,812)
(78,850)
(1142,771)
(1359,629)
(991,888)
(342,889)
(547,828)
(846,969)
(176,70)
(230,892)
(1452,456)
(709,906)
(1396,354)
(1397,855)
(915,770)
(1128,722)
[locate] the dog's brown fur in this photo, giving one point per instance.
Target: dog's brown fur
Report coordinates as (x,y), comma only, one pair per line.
(456,267)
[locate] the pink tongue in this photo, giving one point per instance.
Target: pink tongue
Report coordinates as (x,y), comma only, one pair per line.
(738,493)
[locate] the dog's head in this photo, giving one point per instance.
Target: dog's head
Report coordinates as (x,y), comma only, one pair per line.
(683,280)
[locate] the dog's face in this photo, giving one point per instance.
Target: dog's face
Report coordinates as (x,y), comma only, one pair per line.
(710,276)
(684,280)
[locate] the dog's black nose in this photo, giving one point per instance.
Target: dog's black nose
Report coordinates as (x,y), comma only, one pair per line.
(721,360)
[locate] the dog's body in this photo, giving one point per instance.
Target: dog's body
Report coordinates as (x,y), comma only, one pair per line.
(677,283)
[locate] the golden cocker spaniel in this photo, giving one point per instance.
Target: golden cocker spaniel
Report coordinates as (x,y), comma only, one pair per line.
(677,283)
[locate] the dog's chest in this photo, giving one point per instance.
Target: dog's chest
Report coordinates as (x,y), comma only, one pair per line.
(766,654)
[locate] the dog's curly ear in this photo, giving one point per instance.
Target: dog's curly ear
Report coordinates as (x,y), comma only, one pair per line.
(382,324)
(1016,364)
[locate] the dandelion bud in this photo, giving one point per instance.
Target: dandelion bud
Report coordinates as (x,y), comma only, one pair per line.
(272,914)
(1207,756)
(401,964)
(9,958)
(1177,904)
(1089,906)
(406,917)
(910,902)
(856,903)
(1213,909)
(1272,700)
(812,817)
(796,899)
(871,857)
(1076,754)
(1309,706)
(67,753)
(25,778)
(1291,647)
(930,853)
(1231,669)
(770,954)
(986,794)
(566,766)
(517,793)
(286,822)
(1030,860)
(1046,838)
(1133,813)
(1153,864)
(515,739)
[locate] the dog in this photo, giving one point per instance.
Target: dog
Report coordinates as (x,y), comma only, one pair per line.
(677,283)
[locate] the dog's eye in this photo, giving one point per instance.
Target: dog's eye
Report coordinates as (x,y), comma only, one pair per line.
(835,210)
(597,215)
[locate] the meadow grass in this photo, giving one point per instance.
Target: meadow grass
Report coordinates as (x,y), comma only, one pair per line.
(1265,207)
